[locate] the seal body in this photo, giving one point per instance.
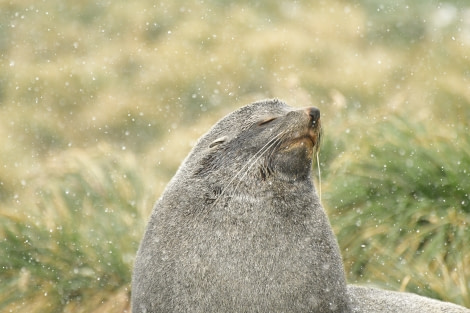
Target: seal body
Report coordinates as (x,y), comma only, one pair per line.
(367,299)
(240,228)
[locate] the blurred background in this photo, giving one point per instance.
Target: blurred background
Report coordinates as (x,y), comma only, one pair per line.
(101,100)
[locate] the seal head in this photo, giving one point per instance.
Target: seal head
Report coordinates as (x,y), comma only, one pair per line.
(240,228)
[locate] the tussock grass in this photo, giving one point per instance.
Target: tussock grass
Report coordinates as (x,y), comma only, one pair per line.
(76,242)
(406,197)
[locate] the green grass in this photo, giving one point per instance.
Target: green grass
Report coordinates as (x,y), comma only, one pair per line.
(100,101)
(76,242)
(405,196)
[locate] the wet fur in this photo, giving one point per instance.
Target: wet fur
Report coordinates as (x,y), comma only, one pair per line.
(366,299)
(239,228)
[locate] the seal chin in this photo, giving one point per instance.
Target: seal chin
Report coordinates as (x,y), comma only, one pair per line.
(295,157)
(304,142)
(294,161)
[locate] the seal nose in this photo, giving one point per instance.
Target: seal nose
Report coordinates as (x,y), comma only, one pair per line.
(314,113)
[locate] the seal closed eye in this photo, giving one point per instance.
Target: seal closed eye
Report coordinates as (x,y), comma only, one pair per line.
(266,121)
(240,228)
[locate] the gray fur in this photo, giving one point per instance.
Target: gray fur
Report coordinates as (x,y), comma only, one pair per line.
(239,228)
(372,300)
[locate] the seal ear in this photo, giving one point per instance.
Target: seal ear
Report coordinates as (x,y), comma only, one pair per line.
(218,141)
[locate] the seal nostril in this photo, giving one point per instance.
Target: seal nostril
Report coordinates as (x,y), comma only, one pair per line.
(314,113)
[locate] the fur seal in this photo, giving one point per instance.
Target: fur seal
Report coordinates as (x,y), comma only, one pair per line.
(239,228)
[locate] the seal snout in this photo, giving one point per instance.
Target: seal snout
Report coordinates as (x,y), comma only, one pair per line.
(313,132)
(314,113)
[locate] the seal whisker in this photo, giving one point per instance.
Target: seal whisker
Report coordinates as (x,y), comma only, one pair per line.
(272,145)
(251,161)
(319,174)
(278,144)
(267,164)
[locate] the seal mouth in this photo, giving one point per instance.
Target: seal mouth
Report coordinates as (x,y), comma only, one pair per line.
(314,131)
(308,137)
